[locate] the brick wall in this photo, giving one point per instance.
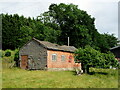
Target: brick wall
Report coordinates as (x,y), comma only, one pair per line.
(68,63)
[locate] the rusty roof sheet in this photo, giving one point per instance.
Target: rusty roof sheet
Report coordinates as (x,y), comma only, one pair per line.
(53,46)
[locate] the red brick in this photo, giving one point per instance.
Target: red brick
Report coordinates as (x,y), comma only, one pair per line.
(58,63)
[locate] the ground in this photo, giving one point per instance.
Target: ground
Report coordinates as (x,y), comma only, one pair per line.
(99,78)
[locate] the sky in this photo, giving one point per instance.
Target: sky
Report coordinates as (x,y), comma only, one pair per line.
(105,12)
(119,20)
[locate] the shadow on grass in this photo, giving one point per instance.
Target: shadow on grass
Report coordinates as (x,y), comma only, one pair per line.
(102,73)
(74,72)
(92,73)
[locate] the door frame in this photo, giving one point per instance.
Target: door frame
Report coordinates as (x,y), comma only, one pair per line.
(26,62)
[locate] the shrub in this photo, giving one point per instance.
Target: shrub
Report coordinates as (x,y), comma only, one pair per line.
(1,55)
(8,53)
(90,57)
(9,57)
(109,60)
(16,57)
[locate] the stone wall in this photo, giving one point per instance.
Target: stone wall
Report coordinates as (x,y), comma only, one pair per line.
(37,55)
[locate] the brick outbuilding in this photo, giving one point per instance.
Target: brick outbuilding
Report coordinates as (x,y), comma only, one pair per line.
(37,54)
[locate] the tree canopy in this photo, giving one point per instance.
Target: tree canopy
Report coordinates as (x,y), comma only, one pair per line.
(55,25)
(77,25)
(17,30)
(72,21)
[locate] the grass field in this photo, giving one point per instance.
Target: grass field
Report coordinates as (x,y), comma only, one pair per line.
(99,78)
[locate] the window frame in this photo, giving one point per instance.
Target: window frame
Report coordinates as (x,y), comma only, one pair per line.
(63,58)
(55,57)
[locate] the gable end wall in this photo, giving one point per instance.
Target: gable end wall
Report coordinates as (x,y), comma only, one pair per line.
(36,52)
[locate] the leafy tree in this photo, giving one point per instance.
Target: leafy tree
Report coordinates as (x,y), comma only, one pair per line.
(11,30)
(72,22)
(51,35)
(90,57)
(111,39)
(77,25)
(55,25)
(17,30)
(106,41)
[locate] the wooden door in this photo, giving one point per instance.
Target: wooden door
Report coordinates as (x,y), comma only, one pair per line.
(24,61)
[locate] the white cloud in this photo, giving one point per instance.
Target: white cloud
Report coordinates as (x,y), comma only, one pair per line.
(106,15)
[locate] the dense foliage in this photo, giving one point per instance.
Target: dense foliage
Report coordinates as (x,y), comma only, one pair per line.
(77,25)
(8,53)
(17,30)
(8,57)
(90,57)
(55,25)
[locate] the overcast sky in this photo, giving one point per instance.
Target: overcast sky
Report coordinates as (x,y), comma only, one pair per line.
(105,12)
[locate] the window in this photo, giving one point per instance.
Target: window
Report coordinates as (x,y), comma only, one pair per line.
(54,57)
(63,58)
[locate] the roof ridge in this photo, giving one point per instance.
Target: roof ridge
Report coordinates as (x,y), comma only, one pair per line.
(55,46)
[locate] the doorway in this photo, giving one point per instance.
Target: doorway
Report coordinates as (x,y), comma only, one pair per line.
(24,61)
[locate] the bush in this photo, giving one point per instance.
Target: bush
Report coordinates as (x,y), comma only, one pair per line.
(16,57)
(1,53)
(8,58)
(7,53)
(109,60)
(90,57)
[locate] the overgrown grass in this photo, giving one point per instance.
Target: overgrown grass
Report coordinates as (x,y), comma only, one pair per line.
(99,78)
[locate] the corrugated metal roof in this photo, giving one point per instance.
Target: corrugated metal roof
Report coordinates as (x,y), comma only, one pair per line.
(53,46)
(115,47)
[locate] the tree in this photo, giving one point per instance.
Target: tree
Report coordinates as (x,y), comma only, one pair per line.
(106,41)
(72,22)
(17,30)
(11,25)
(90,57)
(56,25)
(77,25)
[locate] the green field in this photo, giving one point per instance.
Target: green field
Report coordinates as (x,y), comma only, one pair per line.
(99,78)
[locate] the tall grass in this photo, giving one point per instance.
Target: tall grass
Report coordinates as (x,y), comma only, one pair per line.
(18,78)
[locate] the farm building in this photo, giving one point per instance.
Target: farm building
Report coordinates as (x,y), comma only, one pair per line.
(116,52)
(37,54)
